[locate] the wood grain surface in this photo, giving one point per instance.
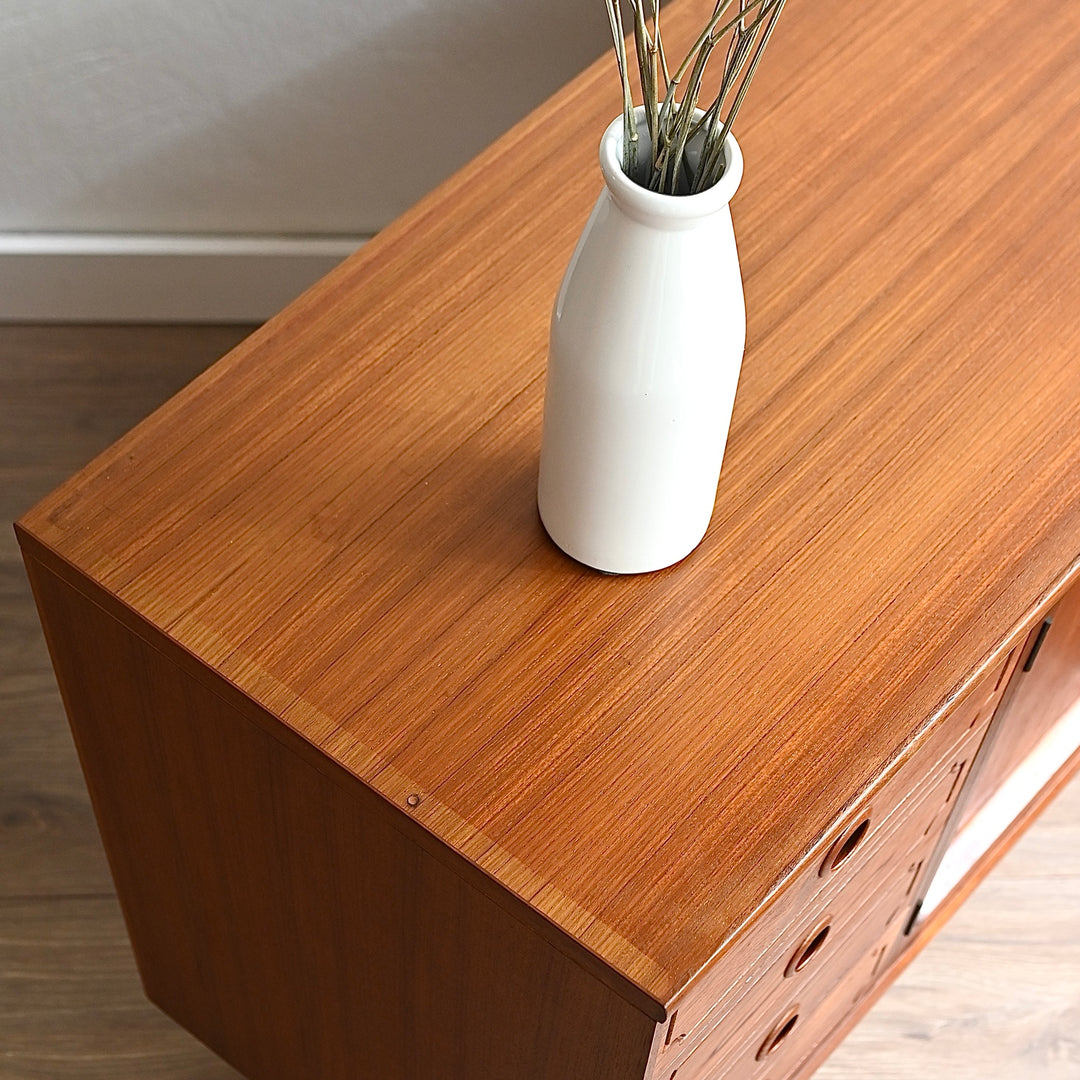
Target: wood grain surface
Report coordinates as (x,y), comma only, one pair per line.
(1047,686)
(873,887)
(280,913)
(71,1006)
(340,520)
(993,996)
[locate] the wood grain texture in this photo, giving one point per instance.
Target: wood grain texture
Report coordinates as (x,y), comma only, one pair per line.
(996,993)
(926,930)
(907,816)
(71,1007)
(869,915)
(66,393)
(339,518)
(280,916)
(1038,699)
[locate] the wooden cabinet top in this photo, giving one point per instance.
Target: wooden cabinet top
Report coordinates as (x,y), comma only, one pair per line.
(339,517)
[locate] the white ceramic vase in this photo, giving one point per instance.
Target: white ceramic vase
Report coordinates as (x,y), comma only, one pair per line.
(647,339)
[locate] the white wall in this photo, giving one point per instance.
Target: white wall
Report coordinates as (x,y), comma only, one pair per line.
(140,138)
(262,116)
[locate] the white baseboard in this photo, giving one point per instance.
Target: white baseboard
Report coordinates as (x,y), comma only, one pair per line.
(69,277)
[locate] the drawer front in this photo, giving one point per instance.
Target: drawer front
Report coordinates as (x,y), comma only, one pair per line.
(894,828)
(844,943)
(782,1032)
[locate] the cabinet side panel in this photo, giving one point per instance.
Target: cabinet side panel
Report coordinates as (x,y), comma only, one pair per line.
(291,929)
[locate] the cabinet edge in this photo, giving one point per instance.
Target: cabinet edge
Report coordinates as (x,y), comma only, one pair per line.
(1068,577)
(39,555)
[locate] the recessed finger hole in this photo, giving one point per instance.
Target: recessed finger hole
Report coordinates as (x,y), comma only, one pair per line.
(775,1039)
(845,847)
(808,949)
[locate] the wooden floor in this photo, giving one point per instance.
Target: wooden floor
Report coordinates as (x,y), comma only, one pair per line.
(995,997)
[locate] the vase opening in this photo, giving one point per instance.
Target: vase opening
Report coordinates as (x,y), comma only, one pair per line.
(641,168)
(633,194)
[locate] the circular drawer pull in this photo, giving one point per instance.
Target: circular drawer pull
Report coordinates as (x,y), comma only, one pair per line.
(845,847)
(779,1033)
(810,947)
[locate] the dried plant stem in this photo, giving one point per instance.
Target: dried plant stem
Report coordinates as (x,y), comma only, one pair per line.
(668,160)
(742,42)
(706,42)
(712,158)
(647,66)
(629,161)
(655,4)
(671,121)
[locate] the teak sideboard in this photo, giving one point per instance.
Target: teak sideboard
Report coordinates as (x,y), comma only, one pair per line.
(392,788)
